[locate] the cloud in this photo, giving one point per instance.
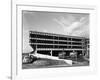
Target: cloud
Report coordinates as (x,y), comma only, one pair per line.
(74,28)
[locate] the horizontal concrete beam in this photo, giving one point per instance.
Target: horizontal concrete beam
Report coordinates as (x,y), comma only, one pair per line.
(56,49)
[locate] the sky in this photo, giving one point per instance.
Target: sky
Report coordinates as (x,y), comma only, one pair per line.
(72,24)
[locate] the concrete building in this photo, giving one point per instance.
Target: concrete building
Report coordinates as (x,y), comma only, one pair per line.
(53,44)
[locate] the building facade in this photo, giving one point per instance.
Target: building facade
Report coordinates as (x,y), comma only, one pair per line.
(52,44)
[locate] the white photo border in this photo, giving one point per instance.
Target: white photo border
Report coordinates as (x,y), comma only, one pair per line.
(18,73)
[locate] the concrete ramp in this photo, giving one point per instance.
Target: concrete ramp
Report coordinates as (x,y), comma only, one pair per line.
(52,57)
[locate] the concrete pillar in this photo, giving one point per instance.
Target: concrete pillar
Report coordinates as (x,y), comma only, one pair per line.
(51,52)
(83,45)
(36,49)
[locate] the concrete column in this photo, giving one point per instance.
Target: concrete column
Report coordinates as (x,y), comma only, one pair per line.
(83,46)
(51,52)
(36,49)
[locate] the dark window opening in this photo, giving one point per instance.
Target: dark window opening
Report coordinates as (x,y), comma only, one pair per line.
(62,46)
(41,36)
(76,43)
(68,47)
(56,42)
(44,41)
(73,39)
(32,40)
(56,38)
(33,35)
(62,38)
(62,42)
(44,46)
(69,39)
(56,46)
(77,47)
(69,43)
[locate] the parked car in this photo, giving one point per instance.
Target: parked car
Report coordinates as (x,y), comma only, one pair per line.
(62,55)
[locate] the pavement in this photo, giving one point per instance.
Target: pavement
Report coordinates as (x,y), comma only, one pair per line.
(49,63)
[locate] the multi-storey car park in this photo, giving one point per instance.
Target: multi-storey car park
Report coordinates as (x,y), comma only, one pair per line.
(52,44)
